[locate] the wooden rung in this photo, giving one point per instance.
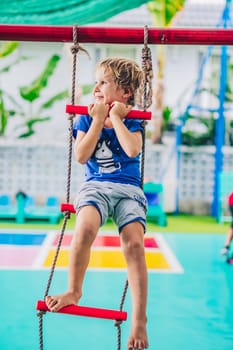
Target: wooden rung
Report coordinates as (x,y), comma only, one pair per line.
(134,114)
(68,207)
(86,311)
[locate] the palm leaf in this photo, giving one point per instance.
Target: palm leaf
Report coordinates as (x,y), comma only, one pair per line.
(32,92)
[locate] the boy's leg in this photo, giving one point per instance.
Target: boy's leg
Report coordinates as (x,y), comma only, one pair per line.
(132,239)
(87,225)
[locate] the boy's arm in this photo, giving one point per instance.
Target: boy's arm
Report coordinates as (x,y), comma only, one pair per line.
(85,142)
(131,142)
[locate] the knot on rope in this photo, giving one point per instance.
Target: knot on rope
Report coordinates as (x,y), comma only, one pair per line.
(75,48)
(66,214)
(118,323)
(40,313)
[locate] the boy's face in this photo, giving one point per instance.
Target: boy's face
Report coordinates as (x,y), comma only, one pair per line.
(106,90)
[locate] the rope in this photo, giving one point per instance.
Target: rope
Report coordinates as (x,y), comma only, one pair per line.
(146,103)
(146,91)
(146,94)
(74,50)
(118,322)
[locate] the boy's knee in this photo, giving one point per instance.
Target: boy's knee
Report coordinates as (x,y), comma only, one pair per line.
(85,235)
(133,248)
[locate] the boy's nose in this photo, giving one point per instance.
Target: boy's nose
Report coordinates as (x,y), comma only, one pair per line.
(96,87)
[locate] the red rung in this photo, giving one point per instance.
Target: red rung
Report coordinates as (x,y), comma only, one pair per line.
(68,207)
(134,114)
(86,311)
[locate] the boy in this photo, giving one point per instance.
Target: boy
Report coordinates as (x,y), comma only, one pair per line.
(109,145)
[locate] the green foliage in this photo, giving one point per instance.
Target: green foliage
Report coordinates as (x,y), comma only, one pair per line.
(214,83)
(48,104)
(163,11)
(8,48)
(32,91)
(199,131)
(166,116)
(31,94)
(4,115)
(30,123)
(87,89)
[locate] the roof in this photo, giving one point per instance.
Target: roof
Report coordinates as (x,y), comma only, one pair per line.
(196,13)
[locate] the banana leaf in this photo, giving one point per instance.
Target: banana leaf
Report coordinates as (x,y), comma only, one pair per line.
(30,123)
(7,48)
(52,100)
(3,116)
(32,92)
(7,68)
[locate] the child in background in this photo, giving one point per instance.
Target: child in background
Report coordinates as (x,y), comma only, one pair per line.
(225,250)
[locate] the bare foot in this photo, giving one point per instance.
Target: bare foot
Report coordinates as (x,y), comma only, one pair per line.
(138,338)
(56,302)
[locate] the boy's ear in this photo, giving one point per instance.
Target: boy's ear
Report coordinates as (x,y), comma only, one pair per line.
(127,93)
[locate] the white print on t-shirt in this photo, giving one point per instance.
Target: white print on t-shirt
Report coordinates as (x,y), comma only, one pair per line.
(104,158)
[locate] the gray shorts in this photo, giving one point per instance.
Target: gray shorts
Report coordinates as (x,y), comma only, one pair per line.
(124,203)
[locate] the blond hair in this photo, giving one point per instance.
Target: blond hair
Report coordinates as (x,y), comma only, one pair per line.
(126,74)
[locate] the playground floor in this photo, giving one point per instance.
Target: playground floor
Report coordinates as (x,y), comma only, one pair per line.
(190,301)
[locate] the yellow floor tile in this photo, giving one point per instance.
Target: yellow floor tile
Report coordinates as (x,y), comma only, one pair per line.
(109,259)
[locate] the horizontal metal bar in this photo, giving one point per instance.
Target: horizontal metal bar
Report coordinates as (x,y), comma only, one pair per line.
(117,35)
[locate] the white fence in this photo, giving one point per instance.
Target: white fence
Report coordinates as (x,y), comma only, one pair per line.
(40,170)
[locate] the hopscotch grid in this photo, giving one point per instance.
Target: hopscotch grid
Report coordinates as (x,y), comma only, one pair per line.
(48,245)
(168,253)
(44,250)
(175,267)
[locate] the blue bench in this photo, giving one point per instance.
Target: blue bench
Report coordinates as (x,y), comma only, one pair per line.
(8,210)
(154,194)
(26,209)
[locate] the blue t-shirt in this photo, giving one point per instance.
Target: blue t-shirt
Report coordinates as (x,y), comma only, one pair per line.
(109,162)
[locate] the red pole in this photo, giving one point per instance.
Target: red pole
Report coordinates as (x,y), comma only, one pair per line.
(86,311)
(107,35)
(133,114)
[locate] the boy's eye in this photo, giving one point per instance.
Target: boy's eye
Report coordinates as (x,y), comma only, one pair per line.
(102,82)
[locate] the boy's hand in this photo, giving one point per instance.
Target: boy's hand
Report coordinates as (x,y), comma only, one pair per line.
(119,110)
(98,111)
